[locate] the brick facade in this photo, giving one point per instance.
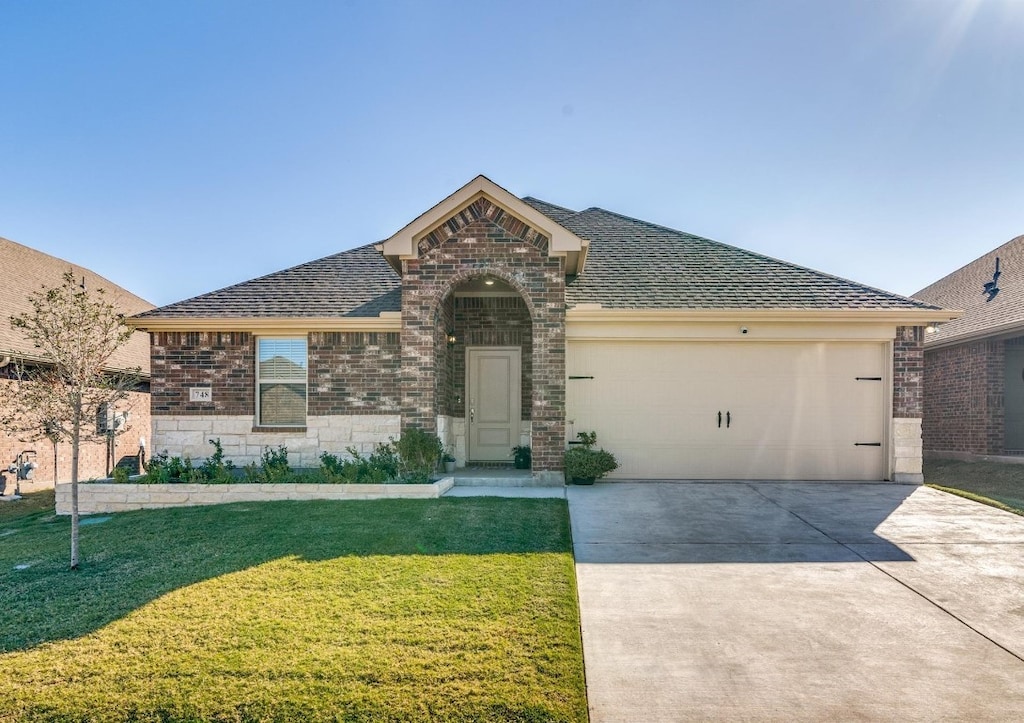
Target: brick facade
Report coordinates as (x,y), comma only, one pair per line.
(478,241)
(94,458)
(908,372)
(354,373)
(963,400)
(222,360)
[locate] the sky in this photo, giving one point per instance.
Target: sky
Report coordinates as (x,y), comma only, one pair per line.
(179,147)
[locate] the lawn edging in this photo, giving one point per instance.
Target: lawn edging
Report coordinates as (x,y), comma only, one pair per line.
(98,497)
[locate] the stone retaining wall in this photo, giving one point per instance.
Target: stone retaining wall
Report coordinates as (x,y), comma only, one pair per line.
(103,497)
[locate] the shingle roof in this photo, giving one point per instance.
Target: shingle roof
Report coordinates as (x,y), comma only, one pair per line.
(27,270)
(630,264)
(636,264)
(964,289)
(352,283)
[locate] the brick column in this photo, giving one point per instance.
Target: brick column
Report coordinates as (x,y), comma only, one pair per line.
(907,404)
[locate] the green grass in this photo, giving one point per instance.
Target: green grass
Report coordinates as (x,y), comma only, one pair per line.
(993,483)
(450,609)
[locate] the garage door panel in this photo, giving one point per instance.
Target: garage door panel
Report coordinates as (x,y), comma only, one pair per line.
(795,411)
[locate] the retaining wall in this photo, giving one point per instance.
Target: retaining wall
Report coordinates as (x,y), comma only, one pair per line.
(99,497)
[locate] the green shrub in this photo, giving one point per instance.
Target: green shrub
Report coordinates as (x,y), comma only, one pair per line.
(418,454)
(215,469)
(583,462)
(273,467)
(120,475)
(380,467)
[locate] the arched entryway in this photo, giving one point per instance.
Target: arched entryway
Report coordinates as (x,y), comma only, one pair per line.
(484,350)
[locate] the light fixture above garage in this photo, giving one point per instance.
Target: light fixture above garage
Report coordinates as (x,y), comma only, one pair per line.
(489,281)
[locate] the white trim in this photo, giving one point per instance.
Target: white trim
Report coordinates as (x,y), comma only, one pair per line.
(563,243)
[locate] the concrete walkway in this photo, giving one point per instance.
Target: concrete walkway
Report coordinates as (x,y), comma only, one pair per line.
(798,601)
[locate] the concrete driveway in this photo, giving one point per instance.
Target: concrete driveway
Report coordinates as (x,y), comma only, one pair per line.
(798,601)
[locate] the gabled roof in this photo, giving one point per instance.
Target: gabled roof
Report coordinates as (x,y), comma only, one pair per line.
(561,242)
(27,271)
(1003,315)
(630,264)
(356,283)
(634,264)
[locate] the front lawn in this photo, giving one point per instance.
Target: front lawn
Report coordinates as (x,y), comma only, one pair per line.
(450,609)
(994,483)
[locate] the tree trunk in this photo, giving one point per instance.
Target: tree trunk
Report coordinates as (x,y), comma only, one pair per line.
(75,439)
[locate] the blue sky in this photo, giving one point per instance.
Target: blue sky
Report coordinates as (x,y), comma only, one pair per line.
(179,147)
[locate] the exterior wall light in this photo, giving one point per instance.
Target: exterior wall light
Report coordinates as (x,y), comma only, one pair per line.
(451,339)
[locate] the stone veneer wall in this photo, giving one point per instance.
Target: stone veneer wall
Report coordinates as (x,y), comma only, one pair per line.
(907,404)
(191,434)
(484,240)
(963,398)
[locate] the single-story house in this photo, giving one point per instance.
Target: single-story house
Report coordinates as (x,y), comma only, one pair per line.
(497,321)
(974,365)
(27,271)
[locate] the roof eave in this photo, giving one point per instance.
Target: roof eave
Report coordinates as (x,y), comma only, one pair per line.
(386,321)
(403,245)
(907,317)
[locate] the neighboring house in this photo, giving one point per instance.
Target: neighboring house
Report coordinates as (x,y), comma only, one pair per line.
(496,321)
(974,365)
(27,271)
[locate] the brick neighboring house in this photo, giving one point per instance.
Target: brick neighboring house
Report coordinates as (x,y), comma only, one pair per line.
(496,321)
(974,365)
(26,271)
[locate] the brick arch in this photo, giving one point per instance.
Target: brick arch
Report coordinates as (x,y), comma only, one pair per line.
(461,277)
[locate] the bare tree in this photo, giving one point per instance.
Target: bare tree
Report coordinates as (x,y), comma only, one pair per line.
(69,382)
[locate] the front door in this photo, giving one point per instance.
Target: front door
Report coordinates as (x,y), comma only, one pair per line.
(493,407)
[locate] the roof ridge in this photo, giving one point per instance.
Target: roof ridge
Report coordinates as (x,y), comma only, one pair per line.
(527,199)
(758,255)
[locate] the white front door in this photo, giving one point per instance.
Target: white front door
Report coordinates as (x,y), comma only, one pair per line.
(493,407)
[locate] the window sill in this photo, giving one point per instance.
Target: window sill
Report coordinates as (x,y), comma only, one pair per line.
(257,428)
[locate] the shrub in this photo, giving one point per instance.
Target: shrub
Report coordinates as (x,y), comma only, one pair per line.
(381,466)
(273,467)
(583,462)
(418,454)
(215,469)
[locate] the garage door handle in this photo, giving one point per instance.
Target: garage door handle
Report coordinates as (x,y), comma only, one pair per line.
(867,444)
(728,419)
(719,420)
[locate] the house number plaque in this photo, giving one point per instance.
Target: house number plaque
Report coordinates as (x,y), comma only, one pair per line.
(200,394)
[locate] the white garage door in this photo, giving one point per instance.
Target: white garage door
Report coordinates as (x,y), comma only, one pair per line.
(672,410)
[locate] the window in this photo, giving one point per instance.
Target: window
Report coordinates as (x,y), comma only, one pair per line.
(281,382)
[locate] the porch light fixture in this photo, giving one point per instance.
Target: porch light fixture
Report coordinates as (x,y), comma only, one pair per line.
(451,339)
(932,327)
(489,281)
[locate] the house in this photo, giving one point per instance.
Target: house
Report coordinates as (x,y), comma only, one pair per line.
(497,321)
(27,271)
(974,365)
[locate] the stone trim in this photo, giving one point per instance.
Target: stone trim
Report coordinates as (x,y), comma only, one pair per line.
(907,450)
(96,498)
(189,435)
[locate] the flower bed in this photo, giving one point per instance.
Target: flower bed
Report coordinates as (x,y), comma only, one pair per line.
(96,497)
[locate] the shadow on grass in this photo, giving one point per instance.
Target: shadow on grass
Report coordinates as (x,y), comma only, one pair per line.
(136,557)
